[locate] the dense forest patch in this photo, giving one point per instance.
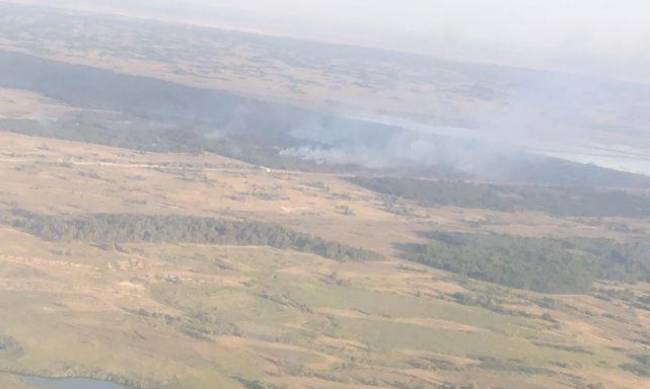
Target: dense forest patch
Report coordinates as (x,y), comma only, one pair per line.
(130,228)
(539,264)
(564,201)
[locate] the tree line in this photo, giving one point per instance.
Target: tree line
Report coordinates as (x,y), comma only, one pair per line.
(539,264)
(133,228)
(556,201)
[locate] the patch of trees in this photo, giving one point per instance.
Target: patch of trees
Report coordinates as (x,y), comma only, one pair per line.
(255,384)
(492,303)
(557,201)
(545,265)
(9,345)
(129,228)
(134,134)
(156,115)
(513,366)
(640,366)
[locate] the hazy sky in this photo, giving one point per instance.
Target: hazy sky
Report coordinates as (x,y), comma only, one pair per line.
(614,27)
(605,37)
(620,27)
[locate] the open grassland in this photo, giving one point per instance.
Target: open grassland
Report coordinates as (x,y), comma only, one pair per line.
(21,104)
(114,263)
(188,315)
(12,382)
(218,313)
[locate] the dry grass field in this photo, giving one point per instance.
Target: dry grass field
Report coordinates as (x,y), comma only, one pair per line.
(187,312)
(205,316)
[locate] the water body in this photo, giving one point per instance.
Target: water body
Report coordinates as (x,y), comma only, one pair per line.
(70,383)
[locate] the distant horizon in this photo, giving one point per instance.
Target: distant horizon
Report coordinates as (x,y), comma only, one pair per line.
(586,48)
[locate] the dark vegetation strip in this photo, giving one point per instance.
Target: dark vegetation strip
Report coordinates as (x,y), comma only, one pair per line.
(545,265)
(640,365)
(156,115)
(129,228)
(556,201)
(133,134)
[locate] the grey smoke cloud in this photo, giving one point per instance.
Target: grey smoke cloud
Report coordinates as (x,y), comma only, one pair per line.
(583,119)
(539,111)
(609,26)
